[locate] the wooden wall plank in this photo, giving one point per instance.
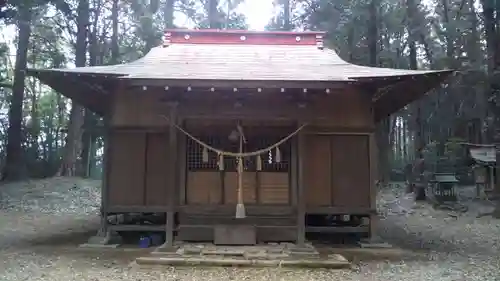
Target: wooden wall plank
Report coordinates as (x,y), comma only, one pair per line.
(203,187)
(274,188)
(348,109)
(338,171)
(126,178)
(231,185)
(351,171)
(156,169)
(317,172)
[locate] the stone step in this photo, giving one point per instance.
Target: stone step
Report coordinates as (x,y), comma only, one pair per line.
(219,251)
(223,262)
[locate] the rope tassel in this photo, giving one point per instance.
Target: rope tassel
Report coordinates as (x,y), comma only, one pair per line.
(258,163)
(205,155)
(277,158)
(240,207)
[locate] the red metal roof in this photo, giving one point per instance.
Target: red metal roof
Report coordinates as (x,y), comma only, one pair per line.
(242,37)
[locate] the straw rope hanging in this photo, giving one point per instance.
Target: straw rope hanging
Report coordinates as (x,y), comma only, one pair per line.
(240,207)
(233,154)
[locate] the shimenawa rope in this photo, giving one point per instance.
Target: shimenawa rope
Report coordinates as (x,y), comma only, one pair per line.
(233,154)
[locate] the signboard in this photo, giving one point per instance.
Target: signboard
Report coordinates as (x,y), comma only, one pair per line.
(483,154)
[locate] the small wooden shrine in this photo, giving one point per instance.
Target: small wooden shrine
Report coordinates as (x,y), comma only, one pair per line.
(483,159)
(240,136)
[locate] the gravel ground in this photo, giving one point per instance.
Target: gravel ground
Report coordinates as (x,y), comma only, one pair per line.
(35,243)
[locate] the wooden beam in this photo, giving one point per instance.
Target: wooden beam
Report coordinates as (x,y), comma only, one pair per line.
(230,84)
(337,229)
(249,111)
(339,130)
(136,227)
(137,209)
(228,210)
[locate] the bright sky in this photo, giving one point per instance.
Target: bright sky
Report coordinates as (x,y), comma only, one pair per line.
(258,12)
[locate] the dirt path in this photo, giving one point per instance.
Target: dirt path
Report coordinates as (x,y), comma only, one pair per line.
(41,246)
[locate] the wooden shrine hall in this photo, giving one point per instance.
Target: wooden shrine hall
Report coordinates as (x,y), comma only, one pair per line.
(239,137)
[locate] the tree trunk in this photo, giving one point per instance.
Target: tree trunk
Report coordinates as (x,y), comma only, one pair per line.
(286,15)
(73,139)
(13,169)
(213,14)
(383,128)
(89,118)
(115,49)
(168,14)
(411,10)
(475,57)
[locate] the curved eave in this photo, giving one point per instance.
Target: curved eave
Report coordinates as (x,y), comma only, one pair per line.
(90,71)
(158,81)
(85,90)
(400,91)
(394,88)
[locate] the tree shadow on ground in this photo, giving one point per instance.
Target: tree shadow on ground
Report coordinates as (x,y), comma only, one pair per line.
(396,235)
(67,237)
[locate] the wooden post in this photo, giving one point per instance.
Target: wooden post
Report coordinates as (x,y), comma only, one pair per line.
(106,169)
(293,172)
(88,165)
(372,159)
(173,172)
(301,212)
(181,160)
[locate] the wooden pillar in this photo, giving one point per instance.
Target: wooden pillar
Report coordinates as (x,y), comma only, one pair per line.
(373,165)
(182,164)
(106,170)
(173,173)
(301,208)
(294,180)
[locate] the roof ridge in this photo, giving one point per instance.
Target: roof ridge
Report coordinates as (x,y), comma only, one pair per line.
(242,37)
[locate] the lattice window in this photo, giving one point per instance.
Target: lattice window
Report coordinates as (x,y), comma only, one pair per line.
(195,154)
(269,163)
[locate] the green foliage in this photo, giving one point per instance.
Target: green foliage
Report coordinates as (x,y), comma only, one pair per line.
(52,45)
(448,34)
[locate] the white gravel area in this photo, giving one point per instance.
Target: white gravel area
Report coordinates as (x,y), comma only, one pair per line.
(38,239)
